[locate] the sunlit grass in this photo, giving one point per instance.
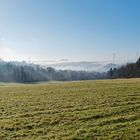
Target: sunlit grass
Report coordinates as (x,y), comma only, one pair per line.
(105,109)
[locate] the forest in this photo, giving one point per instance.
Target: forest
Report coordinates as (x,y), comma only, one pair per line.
(130,70)
(24,72)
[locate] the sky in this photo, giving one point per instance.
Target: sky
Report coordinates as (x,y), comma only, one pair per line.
(73,30)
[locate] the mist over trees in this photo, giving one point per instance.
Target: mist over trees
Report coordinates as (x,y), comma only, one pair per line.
(23,72)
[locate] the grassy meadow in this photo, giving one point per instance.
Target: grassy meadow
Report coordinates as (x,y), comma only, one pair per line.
(88,110)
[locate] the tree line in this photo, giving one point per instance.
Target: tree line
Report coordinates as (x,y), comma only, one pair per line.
(24,72)
(130,70)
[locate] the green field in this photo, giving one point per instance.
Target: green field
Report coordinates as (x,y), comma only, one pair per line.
(104,109)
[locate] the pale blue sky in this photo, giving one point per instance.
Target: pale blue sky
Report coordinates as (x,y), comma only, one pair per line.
(78,30)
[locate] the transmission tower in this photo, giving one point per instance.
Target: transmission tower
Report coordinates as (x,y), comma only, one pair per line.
(29,60)
(114,57)
(137,55)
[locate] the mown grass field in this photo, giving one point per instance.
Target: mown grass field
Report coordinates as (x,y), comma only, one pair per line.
(105,109)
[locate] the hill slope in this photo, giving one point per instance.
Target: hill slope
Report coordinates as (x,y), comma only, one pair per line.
(131,70)
(84,66)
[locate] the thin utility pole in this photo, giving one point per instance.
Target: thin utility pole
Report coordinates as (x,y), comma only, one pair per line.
(114,57)
(29,60)
(137,55)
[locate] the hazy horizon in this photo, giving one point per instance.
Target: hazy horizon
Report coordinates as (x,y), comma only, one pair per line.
(72,30)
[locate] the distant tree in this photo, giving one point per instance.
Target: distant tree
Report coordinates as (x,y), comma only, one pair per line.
(23,72)
(131,70)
